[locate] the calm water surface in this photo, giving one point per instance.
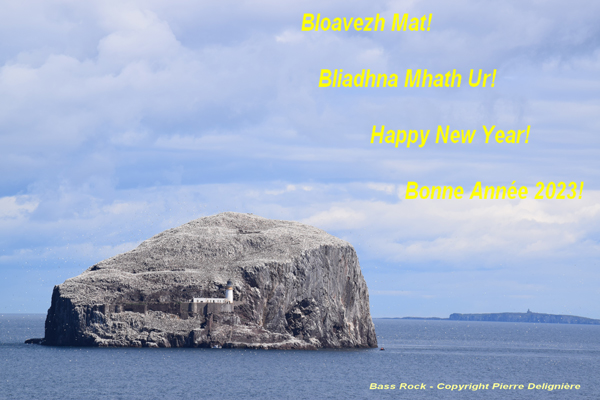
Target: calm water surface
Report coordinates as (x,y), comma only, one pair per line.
(416,352)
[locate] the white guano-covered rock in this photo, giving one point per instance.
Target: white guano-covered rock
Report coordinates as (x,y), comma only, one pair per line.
(295,286)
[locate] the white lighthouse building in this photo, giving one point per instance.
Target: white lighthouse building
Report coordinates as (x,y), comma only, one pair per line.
(229,292)
(228,296)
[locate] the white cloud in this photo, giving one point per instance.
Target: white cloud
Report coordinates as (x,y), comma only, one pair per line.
(16,206)
(338,217)
(290,36)
(382,187)
(455,231)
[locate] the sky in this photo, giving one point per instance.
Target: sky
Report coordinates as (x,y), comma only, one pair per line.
(120,119)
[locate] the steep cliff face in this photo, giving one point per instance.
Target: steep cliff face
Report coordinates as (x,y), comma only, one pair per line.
(295,286)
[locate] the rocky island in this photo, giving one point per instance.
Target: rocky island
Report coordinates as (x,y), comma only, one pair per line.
(525,317)
(529,316)
(289,286)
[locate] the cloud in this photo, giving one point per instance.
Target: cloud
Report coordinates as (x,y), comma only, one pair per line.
(460,233)
(122,119)
(467,233)
(146,83)
(419,250)
(16,206)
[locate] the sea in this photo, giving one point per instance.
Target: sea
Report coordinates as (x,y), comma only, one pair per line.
(422,359)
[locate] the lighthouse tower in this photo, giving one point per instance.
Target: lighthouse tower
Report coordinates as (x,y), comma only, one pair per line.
(229,292)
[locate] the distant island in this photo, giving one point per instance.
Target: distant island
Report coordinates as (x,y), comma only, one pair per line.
(528,316)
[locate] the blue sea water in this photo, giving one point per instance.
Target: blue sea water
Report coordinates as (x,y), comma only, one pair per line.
(416,353)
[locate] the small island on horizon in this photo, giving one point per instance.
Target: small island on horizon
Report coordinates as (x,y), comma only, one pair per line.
(529,316)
